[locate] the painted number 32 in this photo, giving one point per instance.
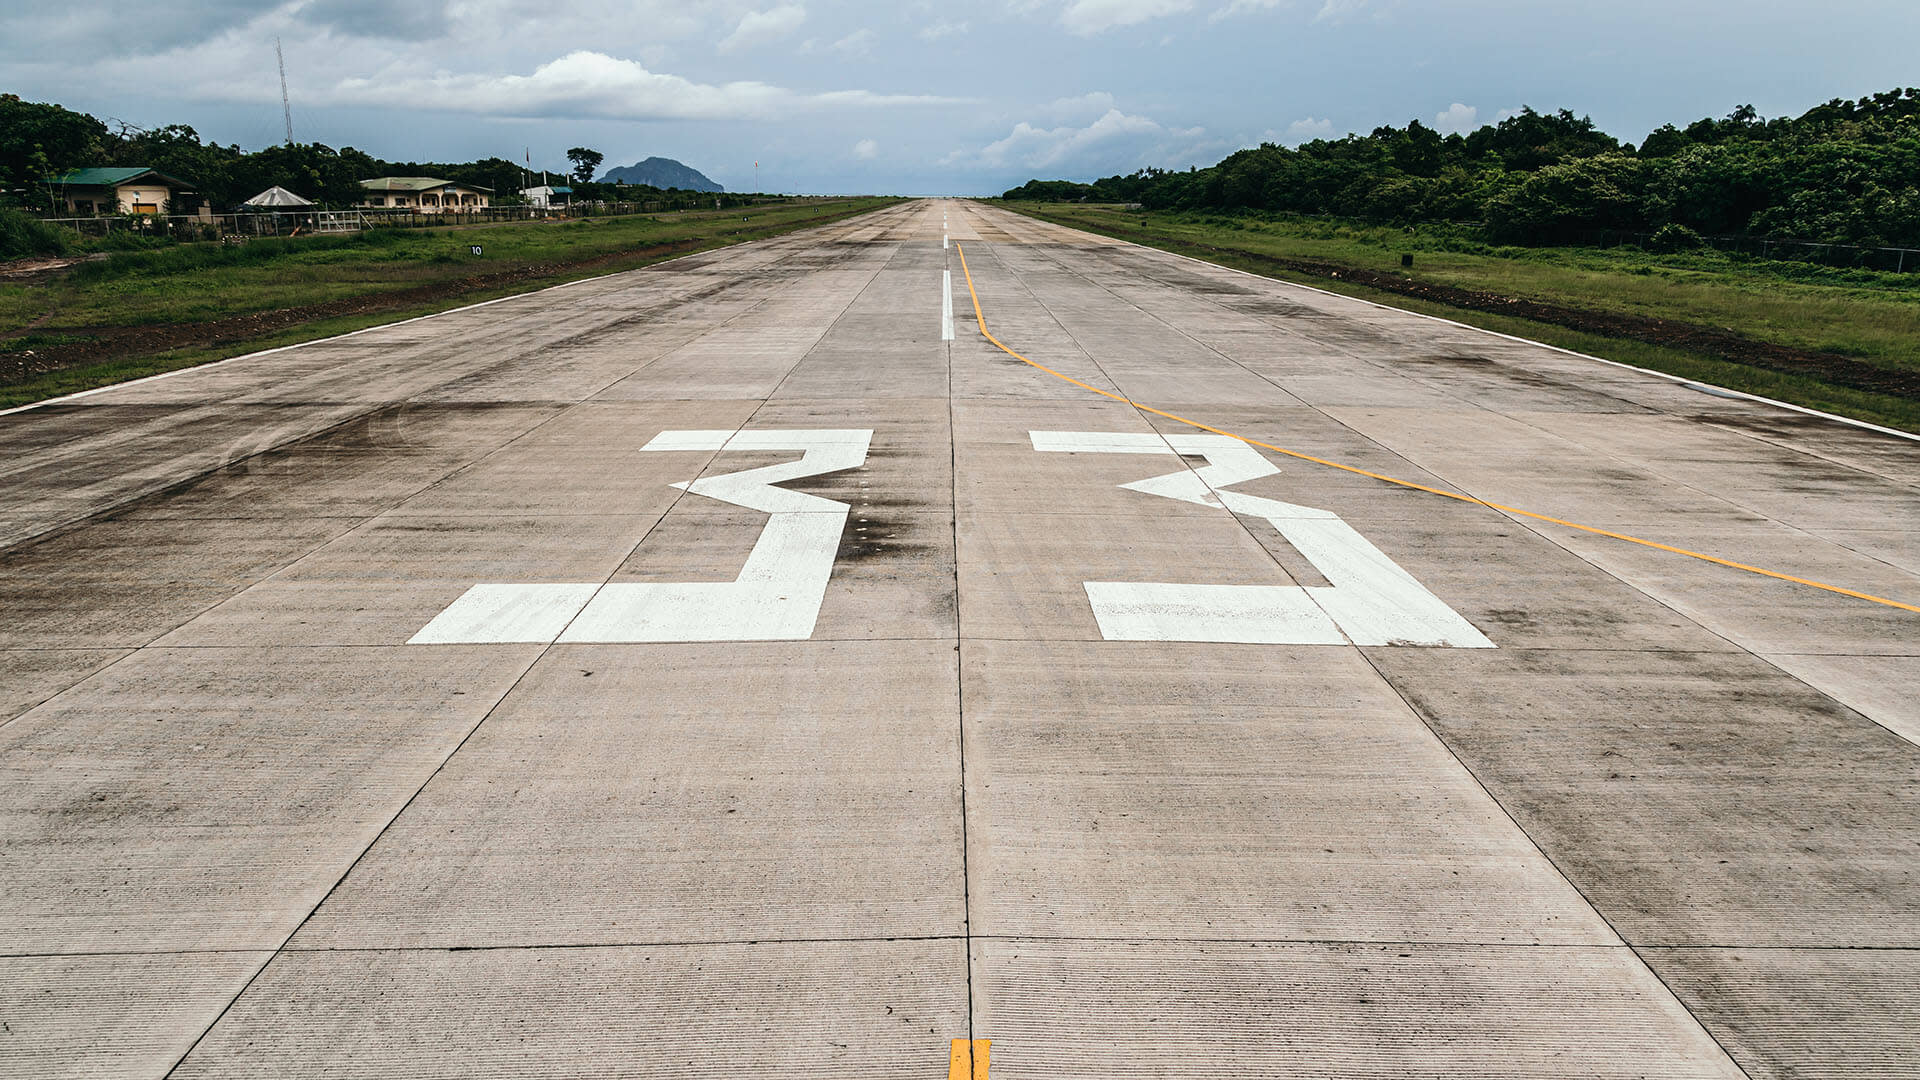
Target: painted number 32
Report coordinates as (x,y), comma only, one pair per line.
(1369,599)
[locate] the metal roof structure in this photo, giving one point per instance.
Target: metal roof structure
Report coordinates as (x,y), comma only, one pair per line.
(416,183)
(115,177)
(277,197)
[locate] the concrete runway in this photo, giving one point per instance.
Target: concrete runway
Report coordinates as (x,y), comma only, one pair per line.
(382,707)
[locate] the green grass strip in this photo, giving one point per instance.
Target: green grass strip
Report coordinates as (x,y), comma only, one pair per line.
(189,271)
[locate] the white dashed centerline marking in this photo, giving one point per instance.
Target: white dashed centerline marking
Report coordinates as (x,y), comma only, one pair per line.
(946,305)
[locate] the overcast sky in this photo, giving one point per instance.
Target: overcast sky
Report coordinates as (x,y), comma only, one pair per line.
(915,97)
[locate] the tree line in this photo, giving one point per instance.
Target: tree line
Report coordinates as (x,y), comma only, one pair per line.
(1843,172)
(40,139)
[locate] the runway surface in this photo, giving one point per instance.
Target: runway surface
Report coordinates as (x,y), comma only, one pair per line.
(742,667)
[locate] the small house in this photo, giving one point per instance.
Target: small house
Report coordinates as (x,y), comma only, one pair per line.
(424,194)
(131,190)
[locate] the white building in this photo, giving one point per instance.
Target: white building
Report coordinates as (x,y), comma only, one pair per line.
(548,195)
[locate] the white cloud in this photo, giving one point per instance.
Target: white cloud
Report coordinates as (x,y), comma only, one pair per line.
(1309,129)
(760,27)
(1088,17)
(1339,11)
(596,84)
(1092,104)
(858,43)
(1456,119)
(1115,142)
(1042,147)
(941,29)
(866,149)
(1244,7)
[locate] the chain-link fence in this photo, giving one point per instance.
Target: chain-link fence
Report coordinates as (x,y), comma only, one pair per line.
(289,222)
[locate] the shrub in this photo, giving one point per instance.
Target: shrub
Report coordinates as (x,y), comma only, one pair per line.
(1674,237)
(129,240)
(23,234)
(1558,202)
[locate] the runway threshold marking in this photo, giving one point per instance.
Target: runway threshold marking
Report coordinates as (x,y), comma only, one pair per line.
(980,319)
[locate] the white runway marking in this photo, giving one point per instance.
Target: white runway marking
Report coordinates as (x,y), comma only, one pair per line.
(946,305)
(498,614)
(1243,614)
(1371,600)
(776,597)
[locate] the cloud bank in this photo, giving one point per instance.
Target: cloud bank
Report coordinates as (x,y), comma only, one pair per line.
(1115,142)
(596,84)
(1089,17)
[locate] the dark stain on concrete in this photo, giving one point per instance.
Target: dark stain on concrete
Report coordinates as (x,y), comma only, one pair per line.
(877,538)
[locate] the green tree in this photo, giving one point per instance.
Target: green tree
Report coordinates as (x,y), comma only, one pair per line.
(585,163)
(312,170)
(176,150)
(1559,201)
(37,138)
(1533,140)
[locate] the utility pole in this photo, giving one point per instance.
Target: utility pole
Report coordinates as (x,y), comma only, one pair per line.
(286,106)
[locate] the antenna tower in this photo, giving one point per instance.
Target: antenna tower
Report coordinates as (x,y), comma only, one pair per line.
(286,107)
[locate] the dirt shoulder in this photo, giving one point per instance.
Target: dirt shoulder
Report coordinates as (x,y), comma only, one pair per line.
(38,267)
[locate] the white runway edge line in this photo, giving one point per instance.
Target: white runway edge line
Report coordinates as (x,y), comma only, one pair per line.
(946,305)
(777,596)
(210,365)
(1369,599)
(1692,384)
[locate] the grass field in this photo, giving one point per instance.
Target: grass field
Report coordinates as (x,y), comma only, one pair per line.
(1870,316)
(172,290)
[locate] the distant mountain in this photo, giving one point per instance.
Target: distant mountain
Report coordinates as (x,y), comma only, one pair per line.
(661,173)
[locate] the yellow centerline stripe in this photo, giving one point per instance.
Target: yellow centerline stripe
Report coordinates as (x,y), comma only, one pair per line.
(981,321)
(967,1059)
